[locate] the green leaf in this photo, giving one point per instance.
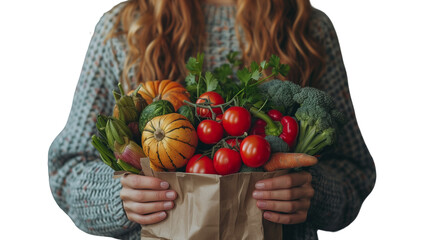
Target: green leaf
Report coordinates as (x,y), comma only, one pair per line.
(192,65)
(256,75)
(210,81)
(232,58)
(274,61)
(190,80)
(244,76)
(200,61)
(254,66)
(195,65)
(284,69)
(222,73)
(264,65)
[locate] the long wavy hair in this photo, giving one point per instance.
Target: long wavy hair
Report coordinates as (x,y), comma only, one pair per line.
(163,34)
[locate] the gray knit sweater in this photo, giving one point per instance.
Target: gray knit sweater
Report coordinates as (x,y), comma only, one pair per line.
(83,186)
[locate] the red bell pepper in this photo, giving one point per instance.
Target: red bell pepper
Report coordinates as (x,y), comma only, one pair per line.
(285,127)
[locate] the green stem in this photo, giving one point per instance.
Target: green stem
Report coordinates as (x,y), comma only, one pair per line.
(127,167)
(208,105)
(262,80)
(106,154)
(306,139)
(121,89)
(254,84)
(116,96)
(272,128)
(221,144)
(198,85)
(137,89)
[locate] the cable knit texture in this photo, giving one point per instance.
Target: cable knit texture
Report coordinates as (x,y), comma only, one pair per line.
(83,185)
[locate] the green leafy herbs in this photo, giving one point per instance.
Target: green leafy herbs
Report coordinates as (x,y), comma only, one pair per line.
(230,80)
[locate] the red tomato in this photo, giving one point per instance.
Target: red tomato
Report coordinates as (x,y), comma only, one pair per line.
(236,121)
(226,161)
(255,151)
(275,114)
(209,131)
(215,99)
(200,164)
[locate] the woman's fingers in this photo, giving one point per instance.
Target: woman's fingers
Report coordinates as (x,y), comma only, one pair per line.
(147,208)
(145,199)
(285,199)
(284,206)
(135,181)
(147,219)
(141,196)
(294,218)
(286,181)
(305,191)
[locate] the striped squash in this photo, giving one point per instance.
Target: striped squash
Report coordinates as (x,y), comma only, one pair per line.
(169,141)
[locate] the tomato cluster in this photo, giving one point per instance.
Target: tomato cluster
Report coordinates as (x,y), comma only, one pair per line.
(231,128)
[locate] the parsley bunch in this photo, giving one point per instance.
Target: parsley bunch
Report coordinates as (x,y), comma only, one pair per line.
(231,80)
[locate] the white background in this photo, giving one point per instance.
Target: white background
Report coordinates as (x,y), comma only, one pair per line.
(385,50)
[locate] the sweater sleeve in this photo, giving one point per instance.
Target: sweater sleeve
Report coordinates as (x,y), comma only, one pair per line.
(346,175)
(80,182)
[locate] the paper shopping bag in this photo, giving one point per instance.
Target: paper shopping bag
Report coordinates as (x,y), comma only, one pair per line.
(213,207)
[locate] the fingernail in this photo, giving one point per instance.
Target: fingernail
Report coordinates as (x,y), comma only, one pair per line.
(257,194)
(170,195)
(168,205)
(164,185)
(162,214)
(267,215)
(261,204)
(260,185)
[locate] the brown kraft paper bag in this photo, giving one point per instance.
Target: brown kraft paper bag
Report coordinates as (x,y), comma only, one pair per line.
(212,207)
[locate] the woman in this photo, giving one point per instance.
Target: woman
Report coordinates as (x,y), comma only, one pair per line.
(143,40)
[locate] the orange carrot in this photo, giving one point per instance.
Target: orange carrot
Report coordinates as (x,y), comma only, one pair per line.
(282,160)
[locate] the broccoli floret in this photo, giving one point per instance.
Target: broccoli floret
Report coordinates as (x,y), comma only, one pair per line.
(280,94)
(277,144)
(313,96)
(318,121)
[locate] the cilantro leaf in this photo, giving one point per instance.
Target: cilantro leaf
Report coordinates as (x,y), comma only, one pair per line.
(274,61)
(244,75)
(256,75)
(222,73)
(284,69)
(190,80)
(232,58)
(211,81)
(264,65)
(277,67)
(195,65)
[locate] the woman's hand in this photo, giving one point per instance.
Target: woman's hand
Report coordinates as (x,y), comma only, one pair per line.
(285,199)
(145,199)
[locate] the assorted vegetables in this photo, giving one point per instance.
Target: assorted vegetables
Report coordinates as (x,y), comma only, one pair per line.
(221,122)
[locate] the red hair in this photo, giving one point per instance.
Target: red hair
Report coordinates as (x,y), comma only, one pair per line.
(163,34)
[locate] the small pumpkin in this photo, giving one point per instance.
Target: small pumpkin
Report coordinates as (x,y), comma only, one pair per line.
(168,90)
(169,141)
